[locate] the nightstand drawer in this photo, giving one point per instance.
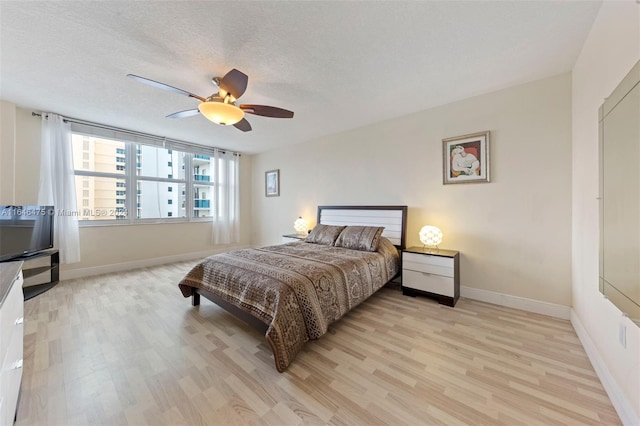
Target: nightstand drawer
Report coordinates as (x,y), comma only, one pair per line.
(433,265)
(427,259)
(436,284)
(292,238)
(429,269)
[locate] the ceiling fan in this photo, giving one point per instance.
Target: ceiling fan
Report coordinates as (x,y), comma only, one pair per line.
(221,106)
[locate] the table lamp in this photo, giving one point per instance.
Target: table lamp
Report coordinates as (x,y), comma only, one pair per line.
(430,236)
(301,226)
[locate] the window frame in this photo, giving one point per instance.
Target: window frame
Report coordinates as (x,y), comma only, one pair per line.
(131,180)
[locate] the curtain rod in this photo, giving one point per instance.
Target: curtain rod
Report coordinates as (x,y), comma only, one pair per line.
(133,132)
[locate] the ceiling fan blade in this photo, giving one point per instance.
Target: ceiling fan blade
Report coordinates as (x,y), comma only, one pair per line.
(234,82)
(164,86)
(185,113)
(243,125)
(267,111)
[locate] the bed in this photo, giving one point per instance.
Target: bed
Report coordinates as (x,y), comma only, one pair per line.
(293,292)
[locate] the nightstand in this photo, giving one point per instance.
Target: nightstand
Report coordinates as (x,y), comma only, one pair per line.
(431,272)
(292,238)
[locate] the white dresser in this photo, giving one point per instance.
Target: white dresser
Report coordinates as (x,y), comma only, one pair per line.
(11,339)
(431,272)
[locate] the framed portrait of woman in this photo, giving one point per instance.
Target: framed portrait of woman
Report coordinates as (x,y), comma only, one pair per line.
(466,158)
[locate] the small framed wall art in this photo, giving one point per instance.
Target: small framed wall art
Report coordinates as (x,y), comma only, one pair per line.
(466,158)
(272,183)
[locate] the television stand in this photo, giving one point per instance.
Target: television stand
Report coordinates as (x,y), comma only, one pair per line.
(33,265)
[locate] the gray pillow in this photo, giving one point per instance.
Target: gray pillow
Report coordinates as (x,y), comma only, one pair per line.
(364,238)
(324,234)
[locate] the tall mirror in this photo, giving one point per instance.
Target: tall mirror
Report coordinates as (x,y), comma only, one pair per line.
(620,196)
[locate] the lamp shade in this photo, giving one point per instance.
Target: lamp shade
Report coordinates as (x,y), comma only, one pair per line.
(300,225)
(221,113)
(430,236)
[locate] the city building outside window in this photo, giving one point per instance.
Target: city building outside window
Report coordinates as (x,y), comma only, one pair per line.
(132,182)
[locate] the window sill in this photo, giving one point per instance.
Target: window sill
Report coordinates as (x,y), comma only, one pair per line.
(103,223)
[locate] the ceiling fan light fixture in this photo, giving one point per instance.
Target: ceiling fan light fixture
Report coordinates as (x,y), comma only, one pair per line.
(220,107)
(221,113)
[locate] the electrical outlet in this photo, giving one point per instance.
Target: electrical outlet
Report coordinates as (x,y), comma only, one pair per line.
(622,335)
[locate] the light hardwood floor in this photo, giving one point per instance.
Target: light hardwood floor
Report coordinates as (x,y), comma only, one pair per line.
(128,349)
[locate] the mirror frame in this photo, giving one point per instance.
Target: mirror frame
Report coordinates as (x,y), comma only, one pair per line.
(625,303)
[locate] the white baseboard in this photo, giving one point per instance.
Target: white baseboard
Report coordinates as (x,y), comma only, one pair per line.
(620,402)
(144,263)
(529,305)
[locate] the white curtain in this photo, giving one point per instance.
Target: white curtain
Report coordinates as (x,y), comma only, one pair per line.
(57,185)
(226,223)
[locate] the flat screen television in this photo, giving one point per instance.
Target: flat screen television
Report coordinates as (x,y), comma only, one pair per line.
(25,230)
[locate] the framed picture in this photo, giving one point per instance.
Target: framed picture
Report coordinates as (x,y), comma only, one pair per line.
(272,183)
(466,158)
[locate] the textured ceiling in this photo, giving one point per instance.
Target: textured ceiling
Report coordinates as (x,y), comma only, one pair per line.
(338,65)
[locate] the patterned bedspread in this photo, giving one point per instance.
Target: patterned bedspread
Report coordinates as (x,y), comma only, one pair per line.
(297,289)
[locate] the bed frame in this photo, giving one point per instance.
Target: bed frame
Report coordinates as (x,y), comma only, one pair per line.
(393,218)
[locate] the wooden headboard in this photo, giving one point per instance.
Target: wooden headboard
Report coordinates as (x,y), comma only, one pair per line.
(393,218)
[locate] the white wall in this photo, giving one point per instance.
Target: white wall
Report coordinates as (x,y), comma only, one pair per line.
(611,50)
(514,233)
(7,150)
(105,249)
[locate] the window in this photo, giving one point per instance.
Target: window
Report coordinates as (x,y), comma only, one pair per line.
(154,199)
(202,185)
(157,183)
(96,179)
(168,184)
(100,204)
